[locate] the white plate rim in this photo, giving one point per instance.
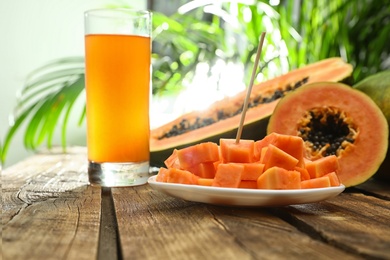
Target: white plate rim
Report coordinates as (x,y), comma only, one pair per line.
(244,197)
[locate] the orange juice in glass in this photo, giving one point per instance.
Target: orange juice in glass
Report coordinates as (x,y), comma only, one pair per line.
(117,74)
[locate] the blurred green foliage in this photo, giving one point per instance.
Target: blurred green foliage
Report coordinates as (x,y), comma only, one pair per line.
(298,33)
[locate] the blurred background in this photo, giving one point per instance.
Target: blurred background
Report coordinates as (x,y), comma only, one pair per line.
(199,46)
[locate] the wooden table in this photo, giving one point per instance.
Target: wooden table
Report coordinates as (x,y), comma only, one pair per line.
(50,212)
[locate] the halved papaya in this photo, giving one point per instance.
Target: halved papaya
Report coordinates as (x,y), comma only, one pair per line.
(222,118)
(333,118)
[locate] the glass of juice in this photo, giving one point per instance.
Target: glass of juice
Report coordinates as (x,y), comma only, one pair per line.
(117,79)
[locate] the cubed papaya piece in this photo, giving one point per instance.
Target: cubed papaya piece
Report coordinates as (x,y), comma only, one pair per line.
(228,175)
(277,157)
(321,182)
(181,176)
(247,184)
(172,161)
(293,145)
(241,152)
(262,154)
(203,170)
(252,171)
(162,175)
(280,179)
(216,164)
(205,181)
(304,173)
(256,154)
(199,153)
(322,166)
(334,179)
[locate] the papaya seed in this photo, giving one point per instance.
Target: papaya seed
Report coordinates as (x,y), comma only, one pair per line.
(326,131)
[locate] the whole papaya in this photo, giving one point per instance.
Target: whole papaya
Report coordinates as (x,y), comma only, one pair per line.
(377,87)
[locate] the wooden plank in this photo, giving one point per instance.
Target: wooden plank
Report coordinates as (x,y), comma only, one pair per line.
(49,211)
(108,239)
(353,222)
(152,224)
(377,188)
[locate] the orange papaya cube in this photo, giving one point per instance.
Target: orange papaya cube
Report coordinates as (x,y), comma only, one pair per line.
(279,179)
(256,154)
(277,157)
(216,164)
(203,170)
(322,166)
(293,145)
(241,152)
(321,182)
(228,175)
(262,154)
(247,184)
(334,179)
(172,161)
(252,171)
(199,153)
(181,176)
(304,173)
(162,175)
(205,181)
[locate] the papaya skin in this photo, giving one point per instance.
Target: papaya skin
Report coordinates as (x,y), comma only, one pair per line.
(377,87)
(361,159)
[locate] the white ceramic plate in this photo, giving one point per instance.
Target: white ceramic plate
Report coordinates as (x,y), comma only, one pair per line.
(244,197)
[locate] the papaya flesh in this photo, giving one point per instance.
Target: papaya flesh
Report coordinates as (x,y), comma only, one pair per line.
(335,119)
(377,87)
(280,170)
(222,118)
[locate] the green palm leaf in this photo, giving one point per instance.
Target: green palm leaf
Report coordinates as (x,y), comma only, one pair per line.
(47,98)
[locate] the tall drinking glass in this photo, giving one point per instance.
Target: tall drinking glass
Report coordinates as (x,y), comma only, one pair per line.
(117,75)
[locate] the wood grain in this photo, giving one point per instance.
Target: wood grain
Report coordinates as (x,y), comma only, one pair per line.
(353,222)
(152,224)
(374,187)
(49,211)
